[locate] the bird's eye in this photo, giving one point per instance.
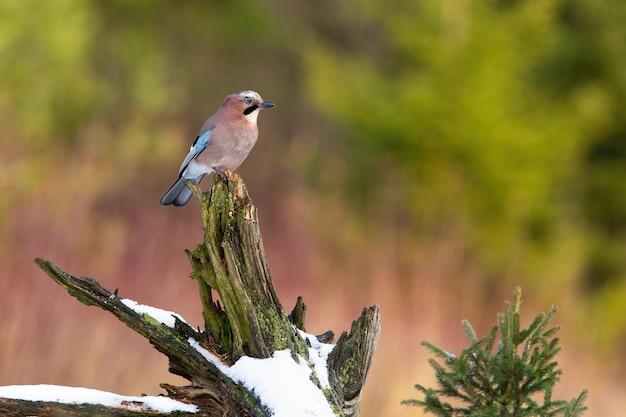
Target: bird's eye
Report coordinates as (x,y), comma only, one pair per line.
(248,100)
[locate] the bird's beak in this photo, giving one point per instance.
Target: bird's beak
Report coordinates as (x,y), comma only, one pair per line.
(266,104)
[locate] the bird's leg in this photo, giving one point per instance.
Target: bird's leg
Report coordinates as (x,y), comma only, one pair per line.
(224,175)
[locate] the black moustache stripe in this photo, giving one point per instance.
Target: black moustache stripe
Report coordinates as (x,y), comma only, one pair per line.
(250,109)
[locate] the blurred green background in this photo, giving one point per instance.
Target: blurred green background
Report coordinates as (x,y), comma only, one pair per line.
(424,156)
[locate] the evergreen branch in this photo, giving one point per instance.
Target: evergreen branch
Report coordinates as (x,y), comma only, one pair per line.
(508,382)
(469,331)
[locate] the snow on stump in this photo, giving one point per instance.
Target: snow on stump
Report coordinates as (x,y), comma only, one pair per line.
(251,359)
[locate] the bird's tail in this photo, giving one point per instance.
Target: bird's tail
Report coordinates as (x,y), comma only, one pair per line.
(179,194)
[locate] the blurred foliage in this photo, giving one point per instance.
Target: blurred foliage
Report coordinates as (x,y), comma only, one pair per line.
(44,47)
(496,123)
(504,119)
(111,78)
(461,99)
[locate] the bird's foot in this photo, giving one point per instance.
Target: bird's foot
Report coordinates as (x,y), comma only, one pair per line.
(224,175)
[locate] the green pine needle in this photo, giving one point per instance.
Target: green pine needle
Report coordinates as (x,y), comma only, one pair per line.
(516,379)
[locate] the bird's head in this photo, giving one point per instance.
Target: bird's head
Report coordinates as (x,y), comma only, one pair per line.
(247,103)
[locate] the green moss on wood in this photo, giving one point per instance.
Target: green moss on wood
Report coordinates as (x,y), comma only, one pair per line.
(232,262)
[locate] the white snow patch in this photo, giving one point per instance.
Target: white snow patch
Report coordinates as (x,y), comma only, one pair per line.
(74,395)
(318,356)
(282,384)
(162,316)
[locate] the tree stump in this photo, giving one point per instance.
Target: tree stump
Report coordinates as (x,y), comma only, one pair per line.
(248,322)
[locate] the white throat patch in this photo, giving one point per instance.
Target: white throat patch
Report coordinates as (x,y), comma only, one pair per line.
(252,116)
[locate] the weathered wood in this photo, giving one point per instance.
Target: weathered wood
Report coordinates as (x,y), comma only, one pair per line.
(210,389)
(350,361)
(298,314)
(249,320)
(232,262)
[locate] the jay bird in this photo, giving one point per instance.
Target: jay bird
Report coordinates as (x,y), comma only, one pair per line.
(223,143)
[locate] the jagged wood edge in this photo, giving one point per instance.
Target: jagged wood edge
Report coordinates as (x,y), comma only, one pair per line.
(210,389)
(349,362)
(227,209)
(232,262)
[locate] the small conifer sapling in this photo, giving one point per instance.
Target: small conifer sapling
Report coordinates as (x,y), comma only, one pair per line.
(510,372)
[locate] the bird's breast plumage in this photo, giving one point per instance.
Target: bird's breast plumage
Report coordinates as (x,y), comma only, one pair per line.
(232,139)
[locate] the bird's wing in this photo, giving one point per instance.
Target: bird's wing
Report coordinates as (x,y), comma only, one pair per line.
(198,146)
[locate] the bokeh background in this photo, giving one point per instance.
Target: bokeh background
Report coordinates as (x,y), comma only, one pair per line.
(426,156)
